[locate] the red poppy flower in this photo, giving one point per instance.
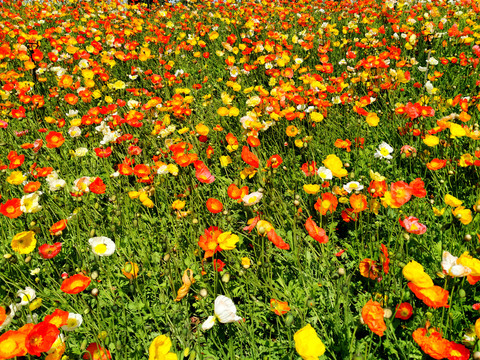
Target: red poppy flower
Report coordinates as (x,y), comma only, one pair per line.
(97,186)
(235,193)
(11,208)
(279,307)
(141,170)
(436,164)
(54,139)
(309,169)
(316,232)
(134,150)
(125,169)
(203,174)
(103,153)
(385,259)
(47,251)
(75,284)
(250,158)
(404,311)
(214,206)
(418,188)
(96,352)
(275,161)
(218,265)
(41,338)
(277,240)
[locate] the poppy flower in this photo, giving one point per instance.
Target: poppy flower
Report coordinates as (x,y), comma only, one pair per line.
(279,307)
(316,232)
(58,227)
(31,187)
(103,153)
(404,311)
(277,240)
(24,242)
(47,251)
(218,265)
(372,315)
(141,170)
(328,202)
(225,311)
(125,169)
(400,193)
(204,175)
(160,349)
(274,161)
(434,296)
(433,344)
(96,352)
(54,139)
(11,208)
(377,188)
(236,193)
(309,169)
(102,245)
(358,202)
(250,158)
(458,352)
(369,269)
(75,284)
(308,344)
(97,186)
(418,188)
(214,206)
(58,318)
(41,338)
(436,164)
(130,270)
(385,258)
(12,344)
(412,226)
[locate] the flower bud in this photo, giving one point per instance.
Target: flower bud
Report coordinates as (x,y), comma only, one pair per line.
(467,237)
(203,292)
(341,271)
(226,278)
(94,292)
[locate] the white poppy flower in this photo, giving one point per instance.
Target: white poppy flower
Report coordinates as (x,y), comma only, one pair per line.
(102,245)
(26,295)
(450,266)
(324,173)
(225,312)
(252,199)
(29,203)
(352,186)
(73,322)
(384,150)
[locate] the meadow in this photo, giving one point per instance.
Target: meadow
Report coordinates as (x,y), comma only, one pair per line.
(240,180)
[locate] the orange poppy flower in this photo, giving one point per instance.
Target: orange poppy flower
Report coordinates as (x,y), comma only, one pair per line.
(235,193)
(433,344)
(141,170)
(369,269)
(253,141)
(97,186)
(130,270)
(316,232)
(328,202)
(125,169)
(95,352)
(358,202)
(58,226)
(372,315)
(250,158)
(75,284)
(11,208)
(434,296)
(57,318)
(214,206)
(54,139)
(12,344)
(279,307)
(400,192)
(292,131)
(404,311)
(343,144)
(436,164)
(208,241)
(203,174)
(31,187)
(275,161)
(377,188)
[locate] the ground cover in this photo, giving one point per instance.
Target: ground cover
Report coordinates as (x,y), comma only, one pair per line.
(240,180)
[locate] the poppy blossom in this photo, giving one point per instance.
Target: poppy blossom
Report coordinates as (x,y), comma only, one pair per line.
(58,227)
(103,153)
(316,232)
(57,318)
(96,352)
(31,187)
(218,265)
(274,161)
(404,311)
(47,251)
(11,208)
(369,268)
(97,186)
(250,158)
(412,226)
(54,139)
(214,206)
(75,284)
(204,175)
(434,296)
(328,202)
(12,344)
(279,307)
(277,240)
(372,315)
(41,338)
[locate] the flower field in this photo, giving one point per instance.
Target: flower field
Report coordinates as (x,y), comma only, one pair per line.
(240,180)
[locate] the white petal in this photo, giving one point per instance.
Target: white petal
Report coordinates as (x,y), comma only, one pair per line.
(208,324)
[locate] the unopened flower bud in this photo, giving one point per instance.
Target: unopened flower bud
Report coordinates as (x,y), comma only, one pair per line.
(203,293)
(94,292)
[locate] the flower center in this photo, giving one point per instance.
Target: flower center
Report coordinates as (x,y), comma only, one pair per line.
(101,248)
